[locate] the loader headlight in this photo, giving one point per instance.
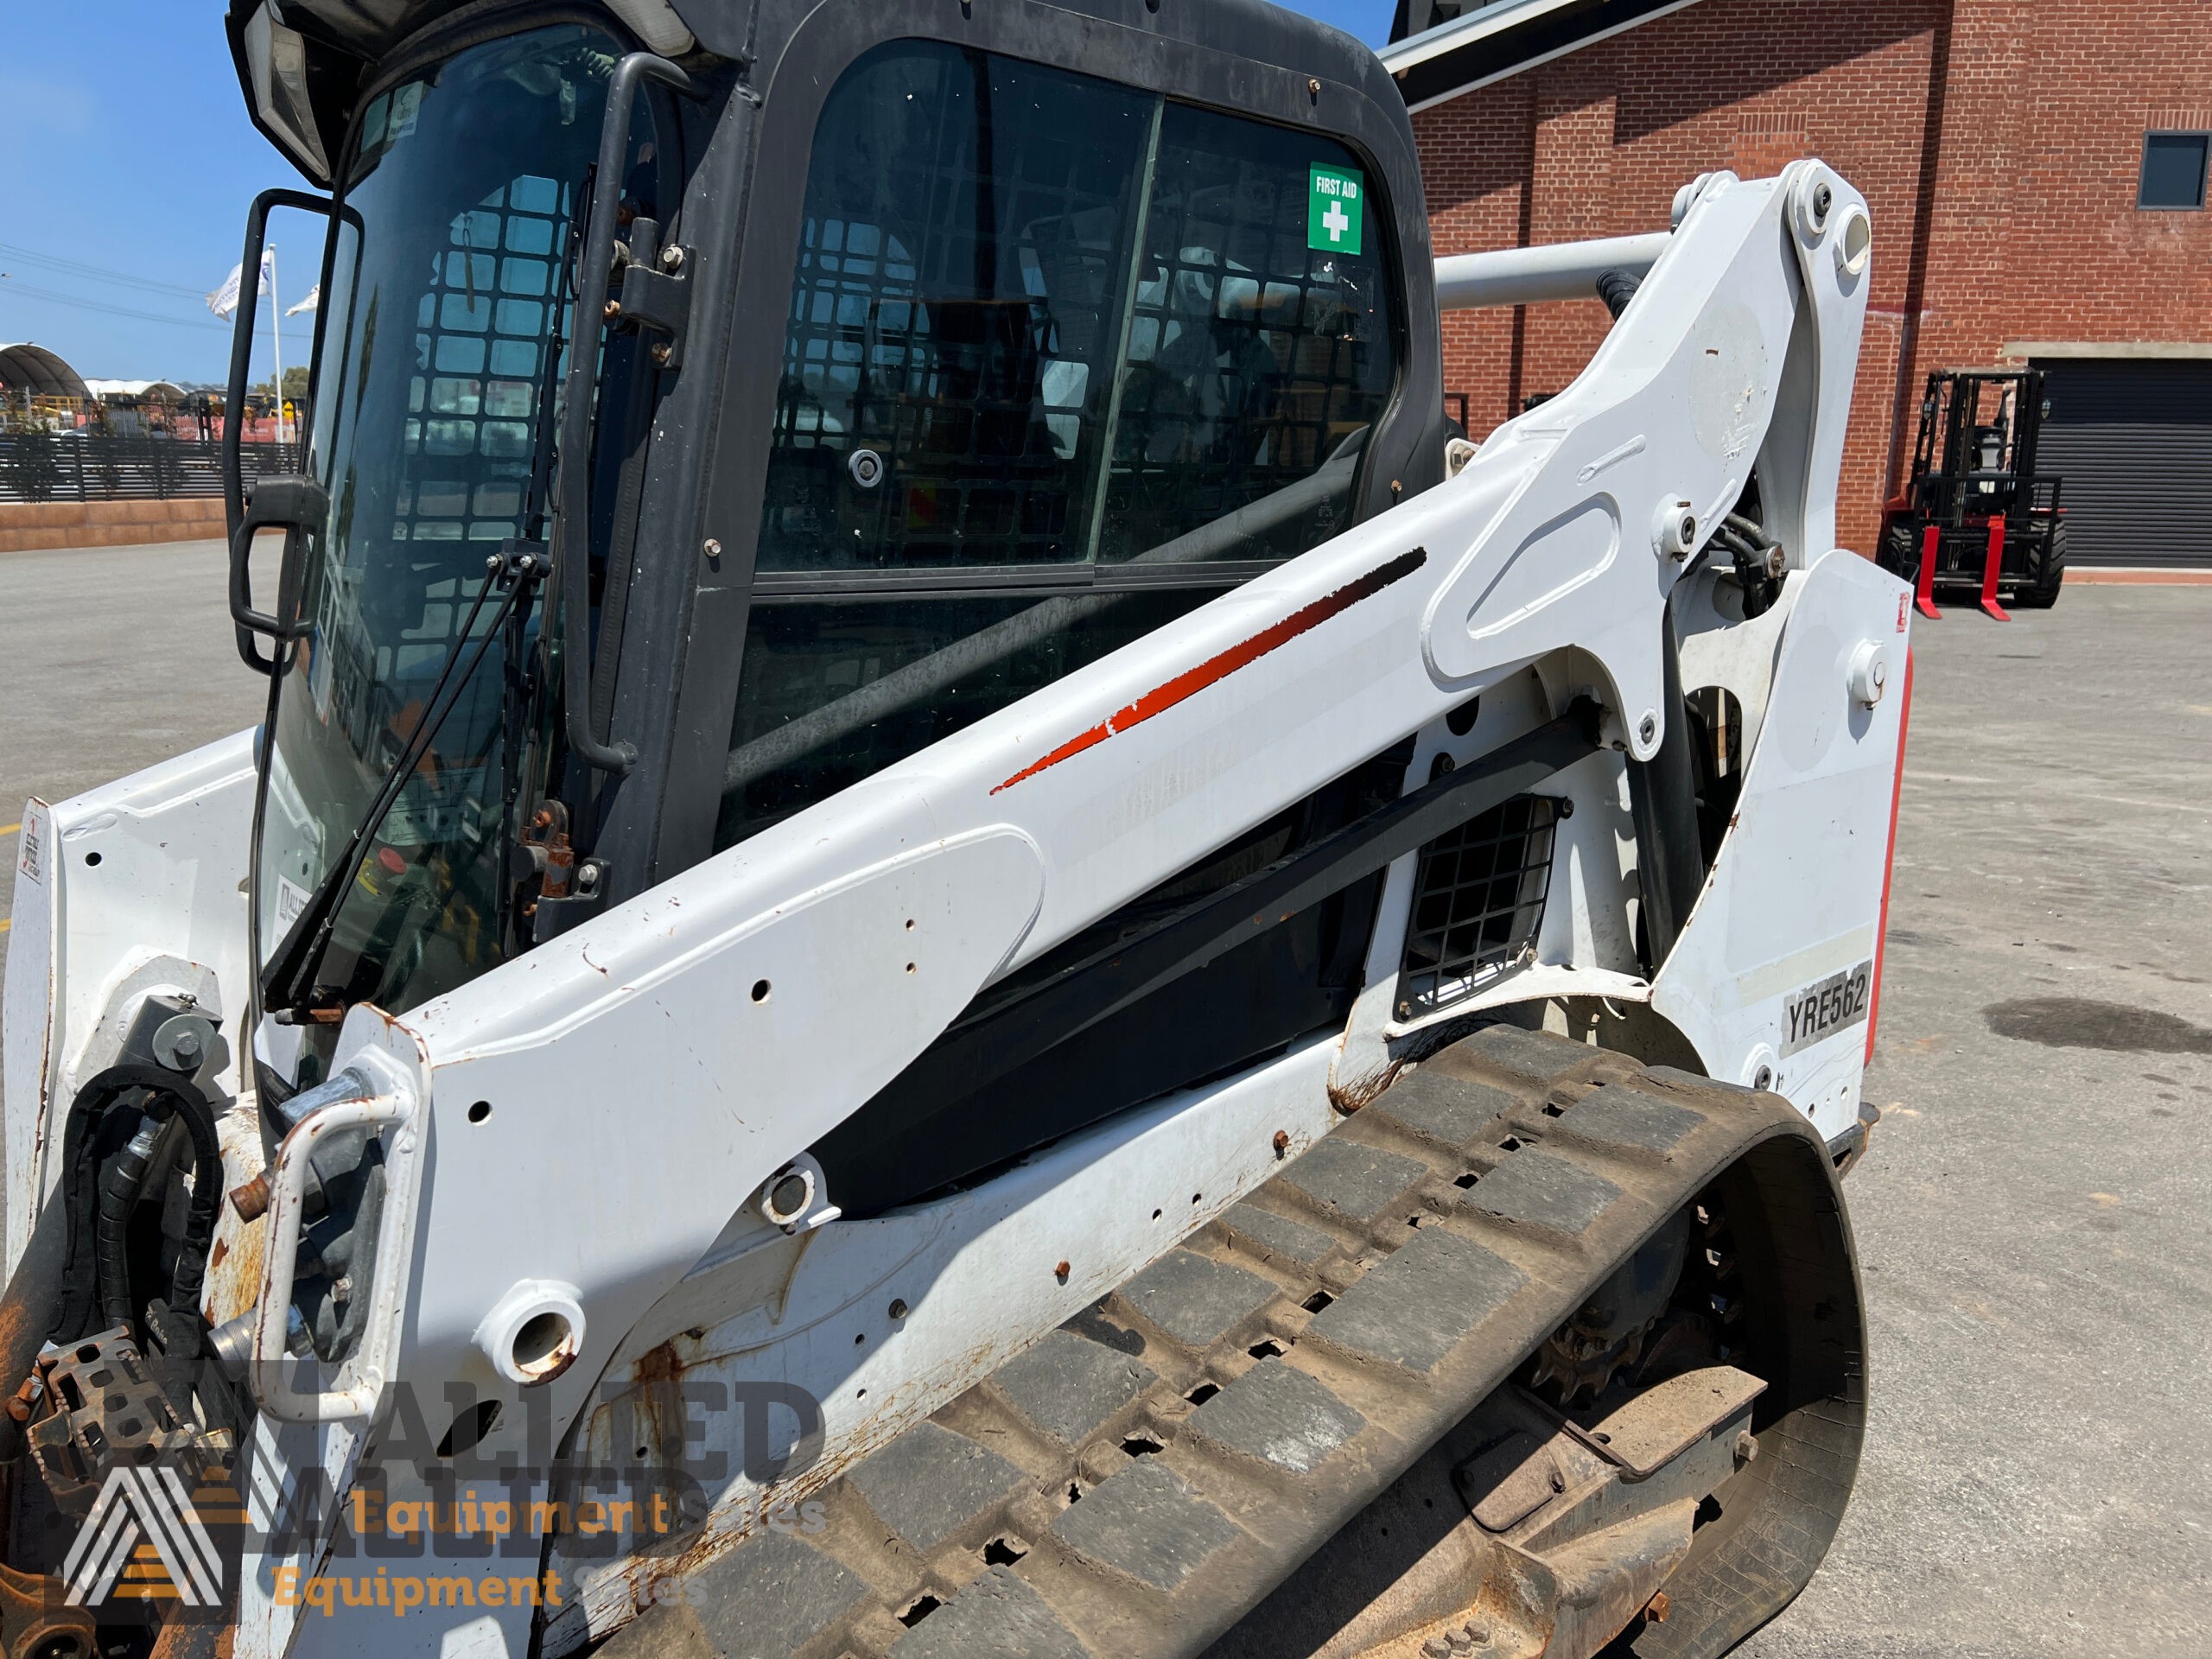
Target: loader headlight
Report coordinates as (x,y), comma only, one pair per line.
(276,62)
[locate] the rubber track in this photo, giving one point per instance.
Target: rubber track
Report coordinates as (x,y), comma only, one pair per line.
(1135,1483)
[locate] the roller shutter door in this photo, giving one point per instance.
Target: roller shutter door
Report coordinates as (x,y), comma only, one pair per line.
(2133,443)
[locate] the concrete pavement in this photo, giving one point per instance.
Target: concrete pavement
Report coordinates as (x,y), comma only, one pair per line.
(111,658)
(2035,1214)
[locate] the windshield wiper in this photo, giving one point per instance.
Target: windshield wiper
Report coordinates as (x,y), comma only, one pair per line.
(287,984)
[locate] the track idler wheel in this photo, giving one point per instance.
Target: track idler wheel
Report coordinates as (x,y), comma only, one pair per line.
(1662,1476)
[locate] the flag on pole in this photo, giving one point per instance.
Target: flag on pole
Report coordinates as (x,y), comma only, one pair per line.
(225,299)
(313,300)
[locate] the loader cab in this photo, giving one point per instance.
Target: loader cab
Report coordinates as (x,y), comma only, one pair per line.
(947,349)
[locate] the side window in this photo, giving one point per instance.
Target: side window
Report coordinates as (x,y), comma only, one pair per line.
(1042,325)
(951,341)
(1259,352)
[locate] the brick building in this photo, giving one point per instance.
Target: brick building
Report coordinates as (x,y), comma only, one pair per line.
(2036,170)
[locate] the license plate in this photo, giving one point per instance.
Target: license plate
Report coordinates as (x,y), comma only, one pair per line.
(1822,1009)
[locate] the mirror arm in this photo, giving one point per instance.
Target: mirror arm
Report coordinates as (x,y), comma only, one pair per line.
(247,620)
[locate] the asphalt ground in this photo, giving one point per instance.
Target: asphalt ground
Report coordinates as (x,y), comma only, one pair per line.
(111,659)
(2035,1214)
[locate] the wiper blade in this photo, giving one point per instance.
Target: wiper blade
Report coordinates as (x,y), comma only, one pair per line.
(288,983)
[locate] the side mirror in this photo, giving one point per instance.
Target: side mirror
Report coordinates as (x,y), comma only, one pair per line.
(299,506)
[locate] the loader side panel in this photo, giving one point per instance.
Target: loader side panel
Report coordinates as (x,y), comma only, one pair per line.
(133,887)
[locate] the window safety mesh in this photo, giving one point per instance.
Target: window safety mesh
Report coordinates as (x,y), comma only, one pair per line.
(1478,903)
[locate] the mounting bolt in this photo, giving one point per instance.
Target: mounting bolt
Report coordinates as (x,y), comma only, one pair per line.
(662,353)
(1811,203)
(1646,729)
(1674,530)
(899,1309)
(711,547)
(1314,87)
(672,257)
(613,310)
(251,1200)
(1868,672)
(1060,1272)
(1282,1141)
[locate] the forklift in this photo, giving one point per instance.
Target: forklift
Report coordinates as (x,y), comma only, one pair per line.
(1975,513)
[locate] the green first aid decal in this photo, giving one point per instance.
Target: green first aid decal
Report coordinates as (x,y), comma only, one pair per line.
(1336,206)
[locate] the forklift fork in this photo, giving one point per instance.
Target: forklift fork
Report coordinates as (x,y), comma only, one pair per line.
(1989,570)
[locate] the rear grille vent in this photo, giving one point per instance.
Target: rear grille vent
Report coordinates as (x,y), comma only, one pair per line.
(1478,903)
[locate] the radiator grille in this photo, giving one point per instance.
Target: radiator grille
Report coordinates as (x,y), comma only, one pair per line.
(1479,902)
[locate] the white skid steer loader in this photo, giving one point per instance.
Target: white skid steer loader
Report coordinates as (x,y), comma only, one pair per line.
(947,938)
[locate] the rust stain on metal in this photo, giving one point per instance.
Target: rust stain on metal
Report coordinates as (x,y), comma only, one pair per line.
(36,1615)
(15,1314)
(234,1272)
(250,1199)
(648,1578)
(1350,1098)
(660,1365)
(658,1402)
(1281,1143)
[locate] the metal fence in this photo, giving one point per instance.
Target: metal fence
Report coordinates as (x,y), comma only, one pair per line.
(40,467)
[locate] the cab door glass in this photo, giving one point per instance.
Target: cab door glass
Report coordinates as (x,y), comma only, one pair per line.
(1256,361)
(951,341)
(1046,333)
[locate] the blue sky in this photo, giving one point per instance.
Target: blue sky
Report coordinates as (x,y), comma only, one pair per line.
(124,147)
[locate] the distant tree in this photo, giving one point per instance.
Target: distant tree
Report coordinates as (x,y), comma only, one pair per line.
(296,384)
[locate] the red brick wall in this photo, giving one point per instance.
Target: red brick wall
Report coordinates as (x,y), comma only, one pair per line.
(1997,142)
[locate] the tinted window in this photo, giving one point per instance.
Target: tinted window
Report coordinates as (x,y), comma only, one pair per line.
(1255,360)
(949,346)
(2173,170)
(1042,327)
(833,691)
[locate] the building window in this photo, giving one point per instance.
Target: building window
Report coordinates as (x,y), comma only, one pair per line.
(2173,169)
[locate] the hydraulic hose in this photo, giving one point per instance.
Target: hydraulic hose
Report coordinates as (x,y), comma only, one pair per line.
(119,1196)
(1662,798)
(190,1272)
(77,1296)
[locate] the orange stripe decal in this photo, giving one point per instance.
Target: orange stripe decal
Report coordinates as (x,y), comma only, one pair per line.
(1191,682)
